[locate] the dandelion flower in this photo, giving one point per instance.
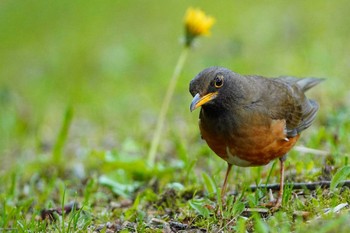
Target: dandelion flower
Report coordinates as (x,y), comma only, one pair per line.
(197,23)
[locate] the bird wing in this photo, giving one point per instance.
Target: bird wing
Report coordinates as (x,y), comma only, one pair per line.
(292,104)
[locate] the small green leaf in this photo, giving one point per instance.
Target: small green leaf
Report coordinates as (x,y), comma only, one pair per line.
(175,185)
(340,176)
(238,208)
(198,206)
(310,165)
(209,183)
(122,189)
(259,225)
(241,224)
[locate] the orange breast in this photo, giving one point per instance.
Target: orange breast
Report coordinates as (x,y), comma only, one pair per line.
(251,146)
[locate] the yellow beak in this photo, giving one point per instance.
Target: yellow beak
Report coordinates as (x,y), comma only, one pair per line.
(199,101)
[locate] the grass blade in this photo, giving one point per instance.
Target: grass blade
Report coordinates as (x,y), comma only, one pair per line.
(209,183)
(340,176)
(62,136)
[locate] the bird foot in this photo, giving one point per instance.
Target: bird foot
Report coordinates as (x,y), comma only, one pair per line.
(274,204)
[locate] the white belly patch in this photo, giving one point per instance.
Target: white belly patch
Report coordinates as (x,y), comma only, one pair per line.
(235,160)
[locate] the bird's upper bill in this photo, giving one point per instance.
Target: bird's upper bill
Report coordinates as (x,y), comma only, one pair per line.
(199,100)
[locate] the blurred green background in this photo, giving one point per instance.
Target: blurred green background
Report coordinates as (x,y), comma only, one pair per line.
(111,62)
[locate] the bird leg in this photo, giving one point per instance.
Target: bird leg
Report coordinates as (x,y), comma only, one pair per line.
(223,190)
(278,202)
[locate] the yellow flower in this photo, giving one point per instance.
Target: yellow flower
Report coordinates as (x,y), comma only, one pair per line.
(197,23)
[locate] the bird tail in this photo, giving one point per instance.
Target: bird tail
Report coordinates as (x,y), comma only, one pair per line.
(304,83)
(307,83)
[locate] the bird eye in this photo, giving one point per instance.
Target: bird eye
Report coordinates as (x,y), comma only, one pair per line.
(219,81)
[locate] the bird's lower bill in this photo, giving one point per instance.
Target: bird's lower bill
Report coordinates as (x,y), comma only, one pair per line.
(198,101)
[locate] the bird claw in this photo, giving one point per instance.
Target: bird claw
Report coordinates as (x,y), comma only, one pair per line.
(273,204)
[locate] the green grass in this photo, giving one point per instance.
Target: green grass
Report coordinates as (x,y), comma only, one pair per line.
(81,84)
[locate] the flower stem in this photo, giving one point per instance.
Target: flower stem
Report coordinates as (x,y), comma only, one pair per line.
(165,106)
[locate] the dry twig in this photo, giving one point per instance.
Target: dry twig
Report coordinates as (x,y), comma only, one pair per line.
(309,186)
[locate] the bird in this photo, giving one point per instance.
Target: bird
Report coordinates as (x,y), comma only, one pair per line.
(251,120)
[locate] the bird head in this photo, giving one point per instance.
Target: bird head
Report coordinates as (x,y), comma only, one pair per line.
(208,86)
